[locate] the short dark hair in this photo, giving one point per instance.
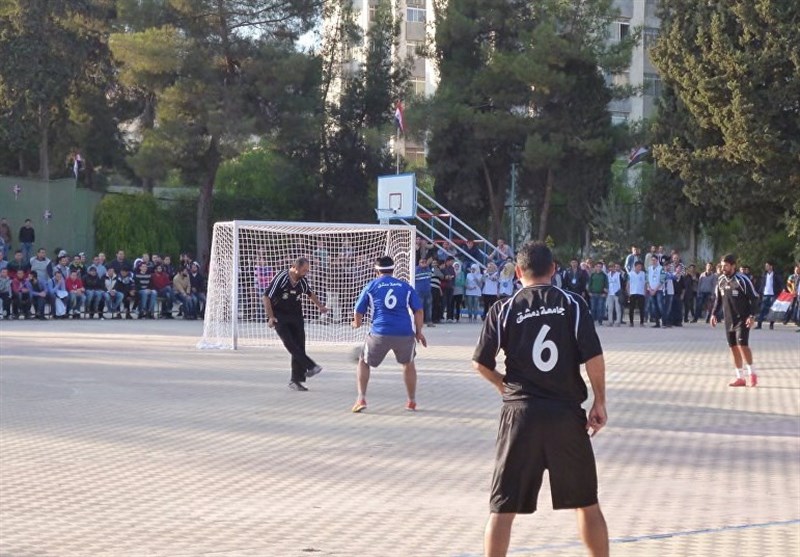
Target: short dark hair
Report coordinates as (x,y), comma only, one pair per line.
(300,262)
(384,265)
(729,258)
(535,258)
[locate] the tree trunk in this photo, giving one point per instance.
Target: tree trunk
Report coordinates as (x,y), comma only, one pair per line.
(44,141)
(545,211)
(148,123)
(496,205)
(204,205)
(693,241)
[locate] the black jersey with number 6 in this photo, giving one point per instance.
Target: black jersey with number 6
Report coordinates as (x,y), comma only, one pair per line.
(546,334)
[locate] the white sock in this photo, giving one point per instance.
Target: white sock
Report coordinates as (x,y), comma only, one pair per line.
(739,373)
(749,369)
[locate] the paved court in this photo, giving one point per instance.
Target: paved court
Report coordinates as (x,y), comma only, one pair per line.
(121,439)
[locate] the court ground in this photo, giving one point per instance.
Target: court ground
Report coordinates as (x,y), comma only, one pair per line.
(122,439)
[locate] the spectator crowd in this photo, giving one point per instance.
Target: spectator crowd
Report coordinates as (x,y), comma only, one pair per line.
(655,288)
(37,287)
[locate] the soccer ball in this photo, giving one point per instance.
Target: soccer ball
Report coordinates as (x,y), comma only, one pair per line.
(355,352)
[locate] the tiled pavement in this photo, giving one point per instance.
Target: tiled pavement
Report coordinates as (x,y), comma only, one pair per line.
(122,439)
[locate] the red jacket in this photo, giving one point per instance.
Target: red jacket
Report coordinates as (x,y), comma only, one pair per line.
(73,285)
(160,280)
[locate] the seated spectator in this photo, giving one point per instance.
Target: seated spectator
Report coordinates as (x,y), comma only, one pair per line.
(62,265)
(198,283)
(59,297)
(119,263)
(3,262)
(5,293)
(474,253)
(77,294)
(77,266)
(17,264)
(95,288)
(112,297)
(39,295)
(183,292)
(42,266)
(168,268)
(127,286)
(501,253)
(162,284)
(21,295)
(147,296)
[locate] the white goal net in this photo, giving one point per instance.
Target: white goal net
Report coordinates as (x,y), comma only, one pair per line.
(246,255)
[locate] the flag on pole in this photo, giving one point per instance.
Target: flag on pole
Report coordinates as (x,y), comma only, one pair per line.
(398,117)
(638,155)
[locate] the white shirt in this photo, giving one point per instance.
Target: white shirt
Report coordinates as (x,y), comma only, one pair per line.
(654,277)
(769,288)
(636,282)
(613,283)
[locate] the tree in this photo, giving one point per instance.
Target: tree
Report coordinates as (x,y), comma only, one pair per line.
(46,48)
(735,70)
(213,104)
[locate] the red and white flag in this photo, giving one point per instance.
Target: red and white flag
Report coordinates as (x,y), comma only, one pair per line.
(398,117)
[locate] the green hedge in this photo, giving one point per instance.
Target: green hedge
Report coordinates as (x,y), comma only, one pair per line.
(136,224)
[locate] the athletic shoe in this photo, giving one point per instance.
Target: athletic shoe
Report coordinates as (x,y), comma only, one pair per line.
(313,371)
(411,406)
(296,386)
(359,406)
(739,382)
(753,379)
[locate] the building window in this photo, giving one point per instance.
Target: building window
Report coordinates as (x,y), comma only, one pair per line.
(415,155)
(618,118)
(415,3)
(413,49)
(415,15)
(620,30)
(650,36)
(652,84)
(418,86)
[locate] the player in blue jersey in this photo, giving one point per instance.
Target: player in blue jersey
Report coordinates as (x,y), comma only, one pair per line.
(392,302)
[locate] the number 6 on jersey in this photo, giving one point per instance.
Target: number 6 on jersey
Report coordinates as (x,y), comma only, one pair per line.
(539,346)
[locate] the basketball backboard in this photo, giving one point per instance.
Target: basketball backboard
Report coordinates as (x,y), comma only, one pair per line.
(397,197)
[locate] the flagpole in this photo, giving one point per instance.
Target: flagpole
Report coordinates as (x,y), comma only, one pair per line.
(397,150)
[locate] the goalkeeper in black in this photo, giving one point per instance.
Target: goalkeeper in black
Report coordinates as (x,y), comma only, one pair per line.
(545,334)
(285,313)
(737,296)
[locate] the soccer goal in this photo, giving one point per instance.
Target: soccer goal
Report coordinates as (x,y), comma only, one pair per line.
(246,255)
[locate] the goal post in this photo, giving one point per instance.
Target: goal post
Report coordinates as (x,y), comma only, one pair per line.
(246,255)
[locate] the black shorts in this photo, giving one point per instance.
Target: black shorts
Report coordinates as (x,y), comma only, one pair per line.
(539,435)
(739,335)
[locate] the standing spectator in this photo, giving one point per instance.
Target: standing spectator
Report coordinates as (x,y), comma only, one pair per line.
(77,294)
(545,334)
(491,283)
(637,284)
(655,289)
(198,282)
(505,284)
(112,296)
(127,286)
(422,284)
(18,264)
(5,237)
(446,250)
(473,284)
(458,292)
(147,295)
(575,278)
(285,314)
(706,284)
(448,286)
(27,236)
(5,293)
(501,253)
(392,302)
(436,290)
(670,279)
(473,255)
(769,287)
(598,290)
(615,293)
(3,262)
(689,285)
(42,266)
(39,295)
(632,258)
(162,284)
(95,289)
(182,288)
(736,296)
(120,262)
(21,292)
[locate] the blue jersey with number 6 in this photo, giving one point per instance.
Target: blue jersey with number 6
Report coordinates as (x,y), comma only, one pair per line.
(390,300)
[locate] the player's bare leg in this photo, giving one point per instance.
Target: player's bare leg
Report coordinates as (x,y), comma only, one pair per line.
(497,534)
(362,379)
(593,530)
(410,378)
(737,356)
(746,354)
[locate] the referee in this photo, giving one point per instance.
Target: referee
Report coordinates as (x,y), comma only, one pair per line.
(737,296)
(285,313)
(545,334)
